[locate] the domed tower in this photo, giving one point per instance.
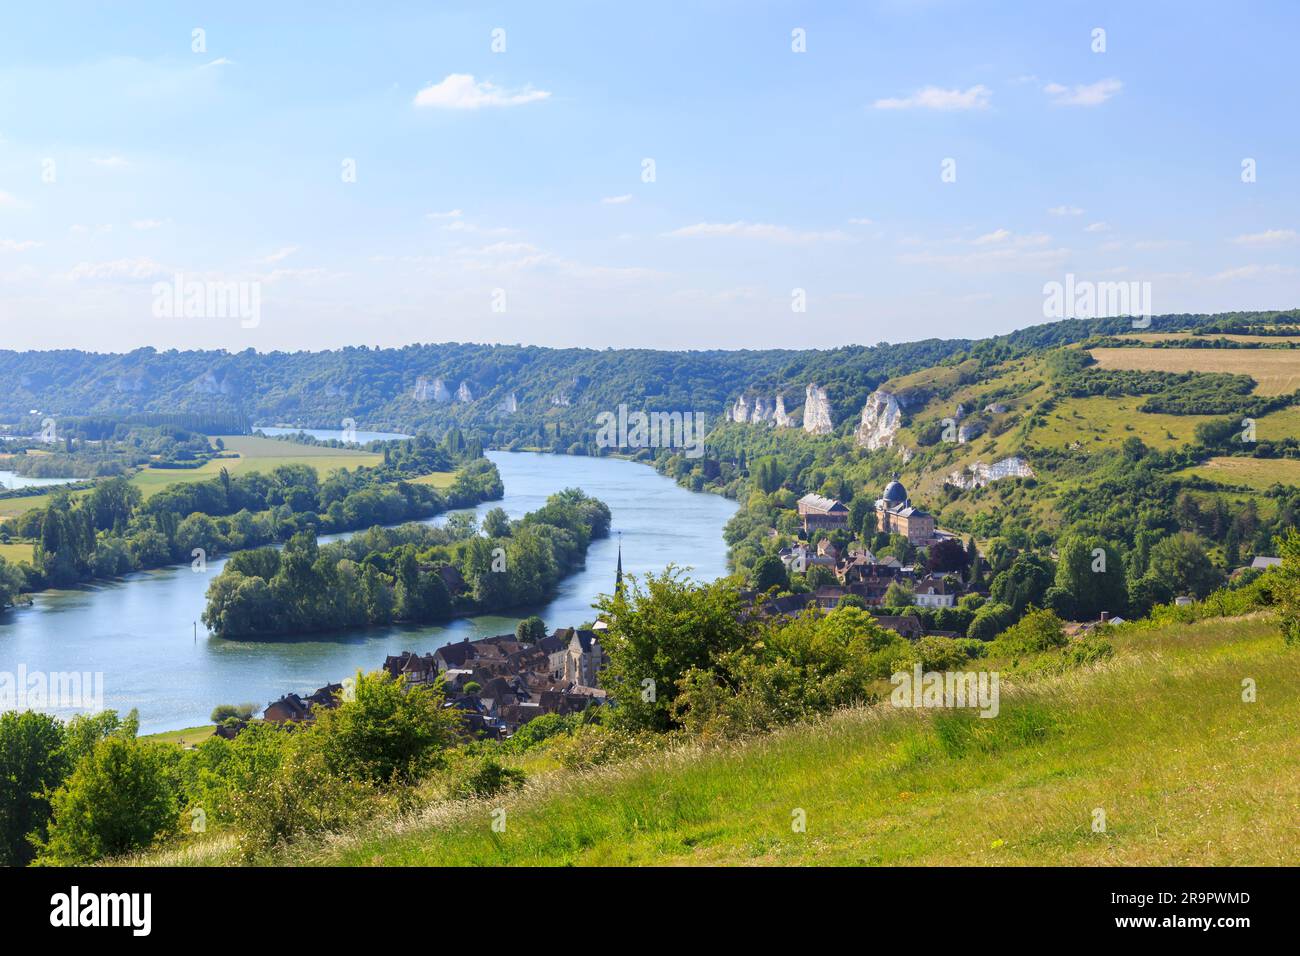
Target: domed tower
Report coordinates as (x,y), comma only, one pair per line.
(895,494)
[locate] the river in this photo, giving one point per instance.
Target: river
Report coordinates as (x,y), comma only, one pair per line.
(141,633)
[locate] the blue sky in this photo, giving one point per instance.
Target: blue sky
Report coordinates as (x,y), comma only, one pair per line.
(126,158)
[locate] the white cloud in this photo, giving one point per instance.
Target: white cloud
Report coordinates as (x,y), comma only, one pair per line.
(144,224)
(1065,211)
(449,214)
(15,245)
(617,200)
(7,199)
(284,252)
(460,91)
(1267,237)
(110,162)
(756,230)
(460,225)
(937,98)
(143,268)
(1089,94)
(860,221)
(219,61)
(1000,236)
(1097,227)
(1252,271)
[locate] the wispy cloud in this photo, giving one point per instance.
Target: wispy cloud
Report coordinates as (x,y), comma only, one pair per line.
(460,91)
(1265,238)
(1252,271)
(449,214)
(284,252)
(860,221)
(937,98)
(142,268)
(1089,94)
(110,162)
(617,200)
(1065,211)
(9,200)
(757,230)
(17,245)
(146,224)
(1097,227)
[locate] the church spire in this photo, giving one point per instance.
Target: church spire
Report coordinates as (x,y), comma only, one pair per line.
(618,575)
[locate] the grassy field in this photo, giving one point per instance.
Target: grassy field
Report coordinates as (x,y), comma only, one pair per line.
(1257,473)
(1186,336)
(1276,371)
(13,553)
(189,737)
(438,479)
(255,454)
(1158,739)
(1097,421)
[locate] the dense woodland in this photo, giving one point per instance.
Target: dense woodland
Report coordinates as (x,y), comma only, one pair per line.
(112,529)
(400,574)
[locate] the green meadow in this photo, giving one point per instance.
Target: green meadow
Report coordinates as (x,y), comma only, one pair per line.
(1150,758)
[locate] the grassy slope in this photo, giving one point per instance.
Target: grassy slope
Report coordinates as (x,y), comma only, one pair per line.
(1158,737)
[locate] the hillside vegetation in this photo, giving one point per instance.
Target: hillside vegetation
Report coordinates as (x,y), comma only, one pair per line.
(1158,737)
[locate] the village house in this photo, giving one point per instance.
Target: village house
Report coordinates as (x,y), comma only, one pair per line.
(817,513)
(288,708)
(934,591)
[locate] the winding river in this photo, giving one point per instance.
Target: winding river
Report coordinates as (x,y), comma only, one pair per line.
(141,631)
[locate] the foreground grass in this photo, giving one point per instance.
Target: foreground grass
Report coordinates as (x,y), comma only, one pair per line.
(1158,738)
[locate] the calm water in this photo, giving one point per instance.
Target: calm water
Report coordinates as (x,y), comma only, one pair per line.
(10,480)
(140,630)
(325,434)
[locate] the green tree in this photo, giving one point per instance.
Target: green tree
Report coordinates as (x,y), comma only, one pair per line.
(660,628)
(118,799)
(530,629)
(32,763)
(770,572)
(1182,565)
(387,732)
(898,594)
(496,524)
(1092,571)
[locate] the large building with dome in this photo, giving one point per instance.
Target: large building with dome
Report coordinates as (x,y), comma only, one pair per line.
(895,514)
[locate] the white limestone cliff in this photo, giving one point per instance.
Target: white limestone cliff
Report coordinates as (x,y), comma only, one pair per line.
(816,411)
(882,417)
(780,417)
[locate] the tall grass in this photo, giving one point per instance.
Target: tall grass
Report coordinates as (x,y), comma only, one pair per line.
(1157,738)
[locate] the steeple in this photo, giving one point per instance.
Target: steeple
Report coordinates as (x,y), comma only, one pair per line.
(618,575)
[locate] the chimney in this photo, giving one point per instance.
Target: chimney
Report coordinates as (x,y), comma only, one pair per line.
(1105,616)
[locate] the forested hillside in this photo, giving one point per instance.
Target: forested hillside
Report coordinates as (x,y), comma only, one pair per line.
(508,391)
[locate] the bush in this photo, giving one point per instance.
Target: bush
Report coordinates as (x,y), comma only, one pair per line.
(482,776)
(119,799)
(1036,632)
(303,795)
